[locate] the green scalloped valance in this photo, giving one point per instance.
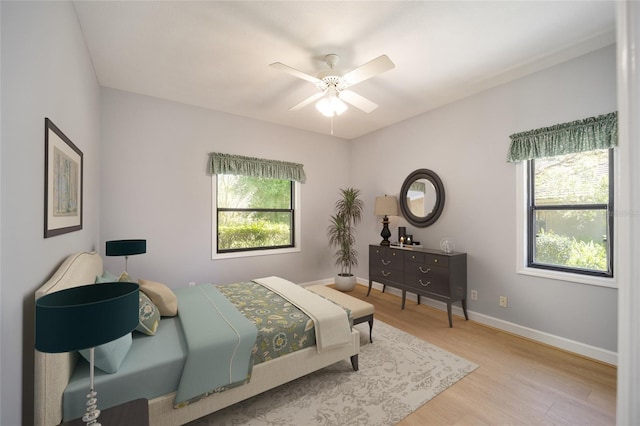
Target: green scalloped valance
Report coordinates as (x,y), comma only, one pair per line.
(577,136)
(226,164)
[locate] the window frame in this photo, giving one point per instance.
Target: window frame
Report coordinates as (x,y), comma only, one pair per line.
(525,227)
(255,251)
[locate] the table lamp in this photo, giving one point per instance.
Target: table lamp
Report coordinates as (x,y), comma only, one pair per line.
(85,317)
(385,206)
(126,248)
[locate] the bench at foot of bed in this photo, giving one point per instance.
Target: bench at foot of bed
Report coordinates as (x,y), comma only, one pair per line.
(361,311)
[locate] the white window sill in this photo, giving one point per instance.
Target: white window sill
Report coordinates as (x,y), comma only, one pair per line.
(568,276)
(253,253)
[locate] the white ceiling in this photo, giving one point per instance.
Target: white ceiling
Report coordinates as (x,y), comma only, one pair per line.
(215,54)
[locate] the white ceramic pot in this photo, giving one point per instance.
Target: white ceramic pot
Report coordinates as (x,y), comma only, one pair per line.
(345,282)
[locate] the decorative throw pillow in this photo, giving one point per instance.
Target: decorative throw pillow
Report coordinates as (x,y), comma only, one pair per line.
(162,296)
(107,277)
(109,357)
(149,316)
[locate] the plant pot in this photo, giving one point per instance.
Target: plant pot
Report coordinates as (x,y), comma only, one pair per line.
(345,282)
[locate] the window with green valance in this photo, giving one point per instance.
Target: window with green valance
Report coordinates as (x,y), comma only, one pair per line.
(221,164)
(577,136)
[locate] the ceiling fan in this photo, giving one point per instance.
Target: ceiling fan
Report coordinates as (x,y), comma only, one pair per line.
(334,86)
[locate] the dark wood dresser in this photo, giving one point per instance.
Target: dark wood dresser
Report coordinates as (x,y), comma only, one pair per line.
(424,272)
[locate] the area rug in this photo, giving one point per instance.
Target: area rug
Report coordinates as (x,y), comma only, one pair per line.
(398,373)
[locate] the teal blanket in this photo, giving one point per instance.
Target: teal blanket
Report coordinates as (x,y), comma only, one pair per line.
(219,340)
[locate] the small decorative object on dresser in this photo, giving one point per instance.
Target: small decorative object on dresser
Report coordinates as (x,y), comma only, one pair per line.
(430,273)
(447,245)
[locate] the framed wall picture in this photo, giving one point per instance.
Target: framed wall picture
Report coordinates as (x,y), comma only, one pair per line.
(63,170)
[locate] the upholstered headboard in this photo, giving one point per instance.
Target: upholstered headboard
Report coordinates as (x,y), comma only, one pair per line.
(52,371)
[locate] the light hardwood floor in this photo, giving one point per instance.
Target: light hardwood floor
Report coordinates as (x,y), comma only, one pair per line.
(518,382)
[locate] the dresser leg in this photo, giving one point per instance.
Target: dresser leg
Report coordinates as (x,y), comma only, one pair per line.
(418,299)
(370,284)
(464,308)
(404,297)
(449,313)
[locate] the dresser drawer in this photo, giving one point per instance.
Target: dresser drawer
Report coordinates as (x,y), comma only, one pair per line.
(428,278)
(435,260)
(428,259)
(388,259)
(382,274)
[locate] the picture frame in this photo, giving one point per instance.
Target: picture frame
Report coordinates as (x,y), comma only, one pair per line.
(63,181)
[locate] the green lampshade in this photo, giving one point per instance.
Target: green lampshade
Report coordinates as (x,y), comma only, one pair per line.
(126,247)
(86,316)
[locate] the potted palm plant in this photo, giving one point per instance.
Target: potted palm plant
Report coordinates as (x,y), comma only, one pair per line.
(348,212)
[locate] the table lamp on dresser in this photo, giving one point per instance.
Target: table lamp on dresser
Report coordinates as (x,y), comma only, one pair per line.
(85,317)
(385,206)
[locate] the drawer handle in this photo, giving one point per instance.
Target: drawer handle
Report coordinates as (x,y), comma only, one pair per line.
(423,271)
(435,260)
(385,262)
(423,284)
(386,274)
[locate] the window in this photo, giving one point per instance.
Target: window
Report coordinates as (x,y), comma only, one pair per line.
(569,213)
(254,213)
(565,200)
(255,205)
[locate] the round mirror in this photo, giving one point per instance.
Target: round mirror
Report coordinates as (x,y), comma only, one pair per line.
(422,198)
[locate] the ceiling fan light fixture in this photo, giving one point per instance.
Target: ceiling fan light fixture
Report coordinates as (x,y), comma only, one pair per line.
(331,105)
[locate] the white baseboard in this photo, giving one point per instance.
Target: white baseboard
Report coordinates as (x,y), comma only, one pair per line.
(599,354)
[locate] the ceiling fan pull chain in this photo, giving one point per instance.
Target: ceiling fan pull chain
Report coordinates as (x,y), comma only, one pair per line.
(331,125)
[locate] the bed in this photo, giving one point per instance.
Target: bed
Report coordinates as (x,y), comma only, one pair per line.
(53,372)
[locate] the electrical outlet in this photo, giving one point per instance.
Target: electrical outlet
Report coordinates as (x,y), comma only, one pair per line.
(503,301)
(474,294)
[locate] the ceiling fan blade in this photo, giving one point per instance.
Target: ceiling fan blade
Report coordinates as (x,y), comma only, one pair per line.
(374,67)
(307,101)
(357,101)
(294,72)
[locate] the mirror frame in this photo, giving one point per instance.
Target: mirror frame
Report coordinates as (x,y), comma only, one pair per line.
(422,221)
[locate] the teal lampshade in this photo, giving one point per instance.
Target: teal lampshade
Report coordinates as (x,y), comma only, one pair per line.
(86,316)
(126,247)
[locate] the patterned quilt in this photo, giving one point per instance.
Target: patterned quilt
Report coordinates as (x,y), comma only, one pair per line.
(282,328)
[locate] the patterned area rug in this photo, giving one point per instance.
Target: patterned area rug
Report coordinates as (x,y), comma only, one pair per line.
(398,373)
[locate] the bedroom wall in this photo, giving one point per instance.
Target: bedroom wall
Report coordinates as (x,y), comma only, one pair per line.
(466,144)
(46,72)
(155,186)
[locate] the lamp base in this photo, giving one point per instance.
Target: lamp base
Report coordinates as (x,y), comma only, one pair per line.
(92,413)
(385,234)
